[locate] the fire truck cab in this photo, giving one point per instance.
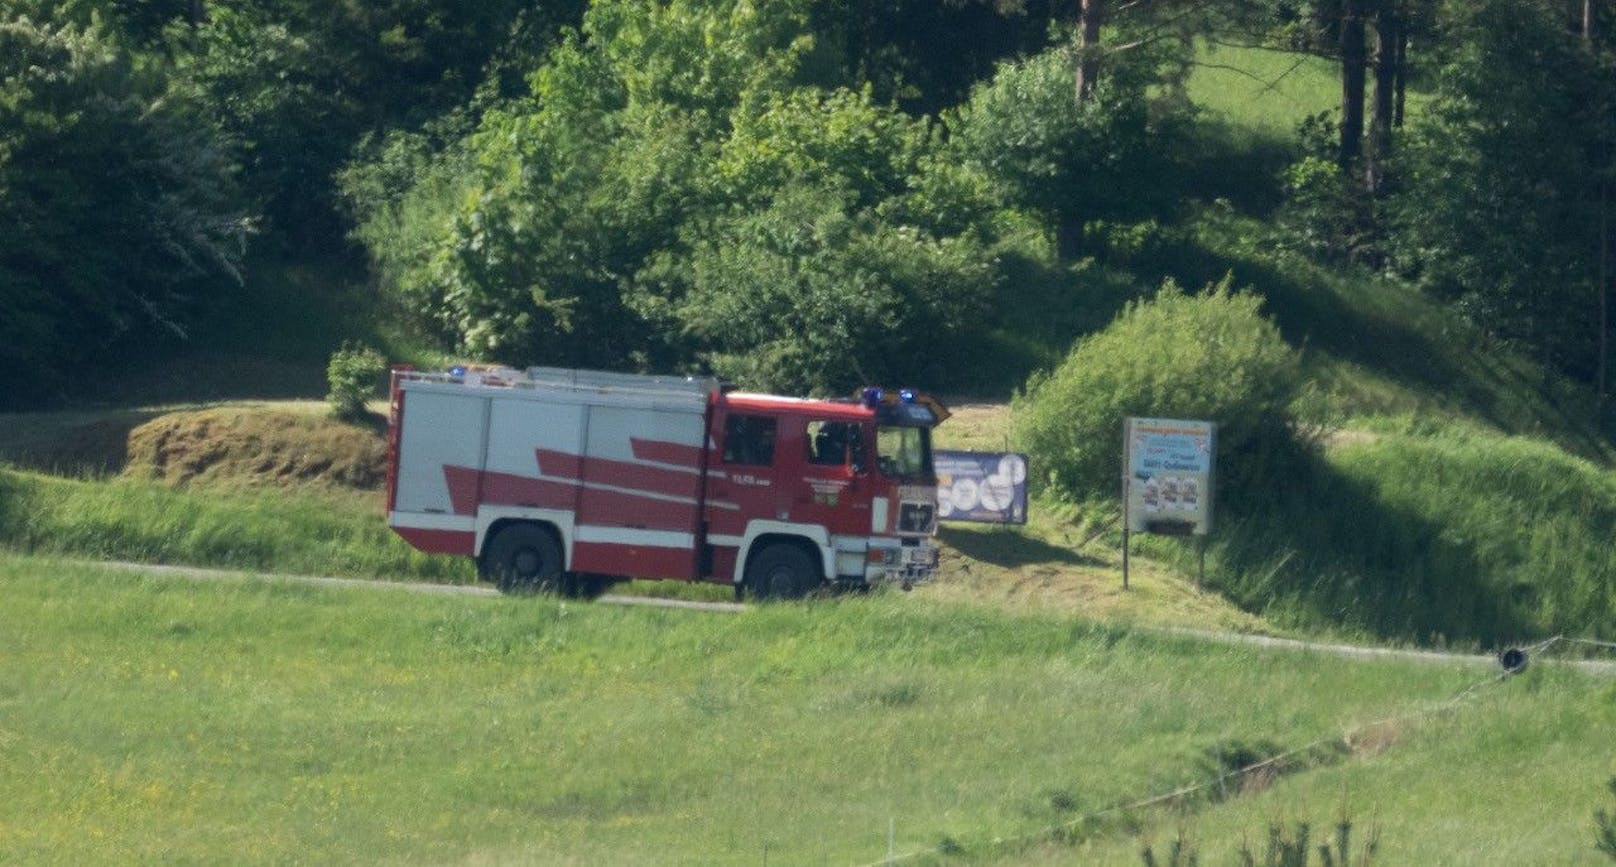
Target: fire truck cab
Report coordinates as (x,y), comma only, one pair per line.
(569,480)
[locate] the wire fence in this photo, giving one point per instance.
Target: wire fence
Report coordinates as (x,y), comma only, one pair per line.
(1512,661)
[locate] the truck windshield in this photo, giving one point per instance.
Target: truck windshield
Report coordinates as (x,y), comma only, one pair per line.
(904,452)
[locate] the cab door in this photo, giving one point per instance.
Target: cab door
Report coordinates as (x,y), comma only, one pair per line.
(827,458)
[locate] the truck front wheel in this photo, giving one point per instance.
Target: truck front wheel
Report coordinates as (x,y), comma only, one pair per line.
(782,571)
(522,558)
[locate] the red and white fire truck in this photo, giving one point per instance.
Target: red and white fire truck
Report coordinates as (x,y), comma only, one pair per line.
(565,480)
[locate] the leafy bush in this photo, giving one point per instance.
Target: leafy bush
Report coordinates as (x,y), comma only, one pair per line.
(354,374)
(1211,356)
(1325,213)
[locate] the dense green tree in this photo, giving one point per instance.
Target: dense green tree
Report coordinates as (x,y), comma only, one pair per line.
(845,251)
(637,208)
(119,215)
(299,83)
(1501,180)
(288,109)
(926,55)
(567,193)
(813,294)
(1106,156)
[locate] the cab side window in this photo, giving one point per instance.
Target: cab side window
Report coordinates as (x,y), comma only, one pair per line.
(749,440)
(833,443)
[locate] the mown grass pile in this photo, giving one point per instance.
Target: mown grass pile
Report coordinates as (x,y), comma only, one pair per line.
(257,721)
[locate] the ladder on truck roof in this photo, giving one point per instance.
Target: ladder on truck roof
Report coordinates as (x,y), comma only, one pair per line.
(569,380)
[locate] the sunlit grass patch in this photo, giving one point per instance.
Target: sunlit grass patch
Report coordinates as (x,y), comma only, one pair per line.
(153,719)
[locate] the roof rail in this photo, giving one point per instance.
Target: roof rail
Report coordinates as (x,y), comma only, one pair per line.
(604,379)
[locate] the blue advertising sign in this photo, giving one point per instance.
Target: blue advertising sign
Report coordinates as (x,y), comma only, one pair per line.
(986,487)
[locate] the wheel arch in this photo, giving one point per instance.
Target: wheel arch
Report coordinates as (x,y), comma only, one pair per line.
(490,520)
(499,525)
(818,551)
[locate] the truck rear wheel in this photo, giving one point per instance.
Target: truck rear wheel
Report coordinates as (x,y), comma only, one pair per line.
(523,558)
(782,571)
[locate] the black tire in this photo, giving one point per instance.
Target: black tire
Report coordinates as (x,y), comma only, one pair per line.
(782,571)
(585,586)
(523,559)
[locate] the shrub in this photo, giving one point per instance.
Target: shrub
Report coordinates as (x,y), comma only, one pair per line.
(354,374)
(1210,357)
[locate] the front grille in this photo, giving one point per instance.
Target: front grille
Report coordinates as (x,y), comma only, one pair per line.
(916,517)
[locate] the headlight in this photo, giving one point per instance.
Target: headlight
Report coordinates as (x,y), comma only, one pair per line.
(883,556)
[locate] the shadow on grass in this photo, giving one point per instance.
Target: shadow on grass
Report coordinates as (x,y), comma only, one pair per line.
(74,444)
(1009,548)
(1324,548)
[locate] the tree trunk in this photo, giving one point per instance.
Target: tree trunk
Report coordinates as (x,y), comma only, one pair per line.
(1352,82)
(1604,293)
(1383,106)
(199,13)
(1602,365)
(1088,46)
(1400,82)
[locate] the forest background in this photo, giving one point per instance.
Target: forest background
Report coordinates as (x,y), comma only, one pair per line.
(801,195)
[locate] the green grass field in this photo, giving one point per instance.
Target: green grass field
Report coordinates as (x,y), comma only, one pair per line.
(168,720)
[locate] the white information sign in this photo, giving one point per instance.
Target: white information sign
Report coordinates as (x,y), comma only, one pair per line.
(1167,476)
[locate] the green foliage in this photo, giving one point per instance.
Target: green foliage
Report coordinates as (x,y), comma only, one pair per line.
(1326,213)
(120,220)
(561,198)
(1500,199)
(398,193)
(1071,161)
(355,376)
(1210,356)
(845,255)
(299,83)
(812,295)
(674,194)
(276,89)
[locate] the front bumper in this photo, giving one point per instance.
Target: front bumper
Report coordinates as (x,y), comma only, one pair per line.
(907,562)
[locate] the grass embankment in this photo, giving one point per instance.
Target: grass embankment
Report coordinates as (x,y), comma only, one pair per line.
(259,722)
(127,519)
(1460,536)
